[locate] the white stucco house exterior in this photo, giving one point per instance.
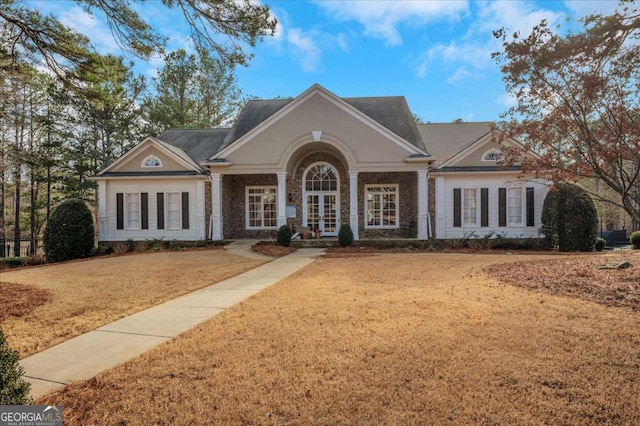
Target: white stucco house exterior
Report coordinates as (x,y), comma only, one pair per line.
(318,161)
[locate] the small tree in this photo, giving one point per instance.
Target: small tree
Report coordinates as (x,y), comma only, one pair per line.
(570,218)
(14,390)
(284,236)
(345,235)
(70,232)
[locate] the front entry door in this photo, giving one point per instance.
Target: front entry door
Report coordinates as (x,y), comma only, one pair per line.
(322,212)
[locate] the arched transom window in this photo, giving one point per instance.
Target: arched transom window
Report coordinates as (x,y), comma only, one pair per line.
(321,177)
(492,155)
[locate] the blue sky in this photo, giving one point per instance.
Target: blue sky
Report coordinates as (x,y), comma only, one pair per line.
(435,53)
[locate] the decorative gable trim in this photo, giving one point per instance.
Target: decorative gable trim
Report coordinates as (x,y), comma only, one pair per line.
(144,144)
(314,90)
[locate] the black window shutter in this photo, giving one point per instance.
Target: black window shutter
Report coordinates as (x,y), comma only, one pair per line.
(484,206)
(530,207)
(119,210)
(185,210)
(457,208)
(160,209)
(144,209)
(502,206)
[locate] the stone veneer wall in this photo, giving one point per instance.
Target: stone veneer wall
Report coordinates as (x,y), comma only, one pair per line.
(431,206)
(234,215)
(408,194)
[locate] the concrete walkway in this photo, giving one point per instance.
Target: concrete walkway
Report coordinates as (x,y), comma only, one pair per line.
(87,355)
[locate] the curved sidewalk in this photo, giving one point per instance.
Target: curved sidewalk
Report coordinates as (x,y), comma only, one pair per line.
(91,353)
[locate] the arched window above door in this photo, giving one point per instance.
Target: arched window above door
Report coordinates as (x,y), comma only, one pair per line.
(321,177)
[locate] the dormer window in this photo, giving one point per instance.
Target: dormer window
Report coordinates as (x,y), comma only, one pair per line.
(492,155)
(151,161)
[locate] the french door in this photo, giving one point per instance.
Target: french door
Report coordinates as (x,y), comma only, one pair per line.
(322,212)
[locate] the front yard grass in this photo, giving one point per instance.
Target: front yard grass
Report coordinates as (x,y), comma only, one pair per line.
(43,306)
(383,339)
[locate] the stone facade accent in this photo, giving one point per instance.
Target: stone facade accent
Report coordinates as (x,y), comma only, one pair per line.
(431,206)
(234,199)
(207,208)
(408,210)
(234,211)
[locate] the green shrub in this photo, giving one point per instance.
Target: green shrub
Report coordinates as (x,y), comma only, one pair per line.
(70,232)
(600,244)
(284,236)
(12,262)
(345,235)
(570,218)
(634,238)
(14,390)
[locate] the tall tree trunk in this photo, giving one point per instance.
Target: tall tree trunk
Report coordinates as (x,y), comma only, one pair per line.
(16,226)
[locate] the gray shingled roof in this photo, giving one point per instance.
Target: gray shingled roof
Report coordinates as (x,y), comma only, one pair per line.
(199,144)
(444,140)
(393,113)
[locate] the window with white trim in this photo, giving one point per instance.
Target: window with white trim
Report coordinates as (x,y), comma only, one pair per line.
(381,206)
(151,161)
(173,210)
(262,207)
(470,206)
(514,206)
(132,210)
(492,155)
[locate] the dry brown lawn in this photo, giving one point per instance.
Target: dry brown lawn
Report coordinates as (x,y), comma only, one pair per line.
(383,339)
(85,295)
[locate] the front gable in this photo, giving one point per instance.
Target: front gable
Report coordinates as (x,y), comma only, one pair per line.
(149,157)
(483,153)
(318,117)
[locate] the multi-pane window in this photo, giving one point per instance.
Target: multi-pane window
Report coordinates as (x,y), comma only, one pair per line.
(132,202)
(174,210)
(514,206)
(262,208)
(470,206)
(321,177)
(381,206)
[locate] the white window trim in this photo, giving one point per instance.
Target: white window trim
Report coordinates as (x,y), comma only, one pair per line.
(144,162)
(167,225)
(366,211)
(523,207)
(126,211)
(462,208)
(491,151)
(246,207)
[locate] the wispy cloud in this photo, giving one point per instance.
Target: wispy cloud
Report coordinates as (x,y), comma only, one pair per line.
(95,29)
(381,19)
(305,48)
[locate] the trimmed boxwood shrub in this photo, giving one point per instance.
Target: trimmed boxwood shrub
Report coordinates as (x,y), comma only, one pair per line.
(634,239)
(600,244)
(14,390)
(284,236)
(70,232)
(570,218)
(345,235)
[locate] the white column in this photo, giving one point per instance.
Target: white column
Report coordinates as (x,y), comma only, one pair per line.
(216,206)
(103,219)
(200,212)
(440,207)
(353,203)
(423,214)
(282,198)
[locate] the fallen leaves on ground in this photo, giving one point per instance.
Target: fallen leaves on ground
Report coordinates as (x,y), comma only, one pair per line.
(273,250)
(578,276)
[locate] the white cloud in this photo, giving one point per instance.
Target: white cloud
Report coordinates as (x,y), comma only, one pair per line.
(582,8)
(381,19)
(84,23)
(516,16)
(304,47)
(460,74)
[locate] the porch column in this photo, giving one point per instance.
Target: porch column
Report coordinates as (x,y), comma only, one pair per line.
(423,198)
(282,198)
(103,219)
(216,206)
(353,203)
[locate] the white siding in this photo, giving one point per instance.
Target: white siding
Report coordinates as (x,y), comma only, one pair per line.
(445,184)
(195,188)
